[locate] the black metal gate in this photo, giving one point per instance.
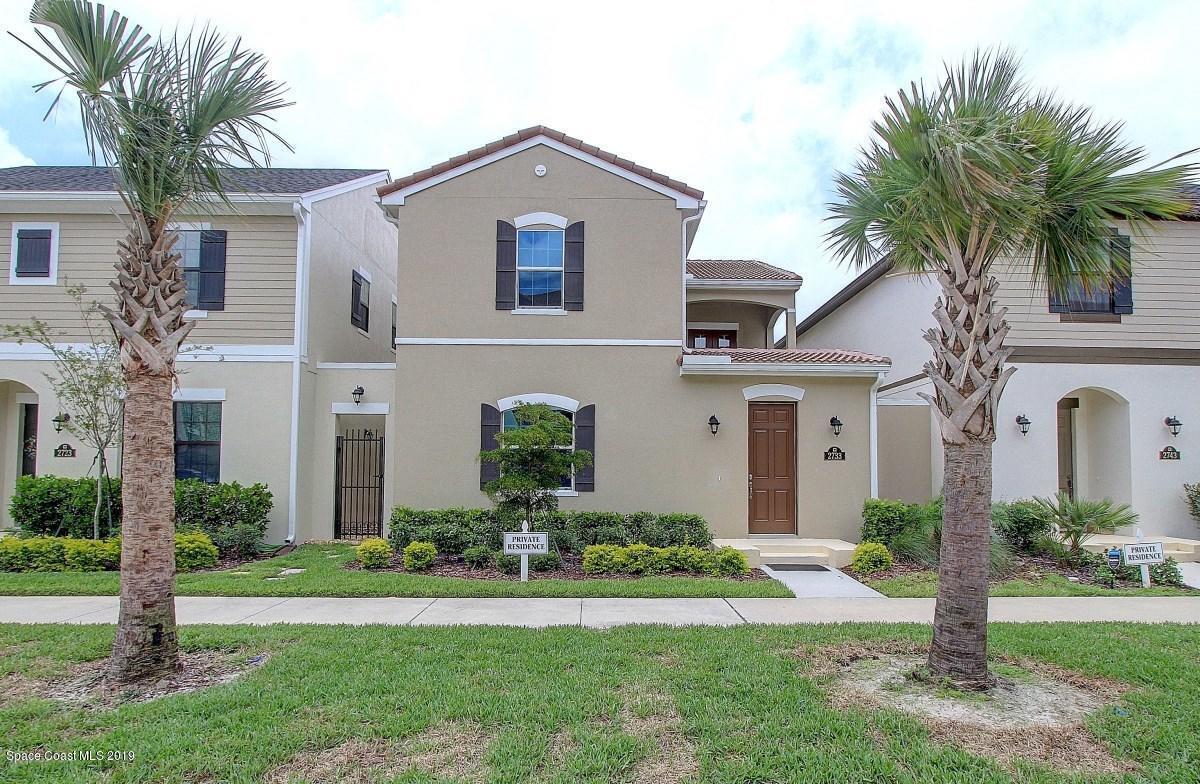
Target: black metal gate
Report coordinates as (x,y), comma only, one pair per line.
(358,485)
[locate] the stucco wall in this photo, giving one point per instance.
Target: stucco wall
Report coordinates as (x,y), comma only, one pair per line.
(752,320)
(905,453)
(654,450)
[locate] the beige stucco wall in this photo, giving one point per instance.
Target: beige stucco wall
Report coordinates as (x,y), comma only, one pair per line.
(447,252)
(654,450)
(753,320)
(905,461)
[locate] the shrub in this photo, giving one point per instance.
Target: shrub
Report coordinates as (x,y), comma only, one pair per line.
(13,557)
(1192,493)
(545,562)
(727,562)
(685,529)
(1077,521)
(451,531)
(244,539)
(686,558)
(92,555)
(1167,573)
(870,558)
(922,542)
(884,520)
(62,506)
(194,551)
(419,556)
(233,515)
(374,553)
(1020,523)
(613,535)
(602,558)
(477,557)
(509,564)
(45,553)
(643,559)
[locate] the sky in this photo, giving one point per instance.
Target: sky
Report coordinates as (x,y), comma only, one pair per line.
(758,104)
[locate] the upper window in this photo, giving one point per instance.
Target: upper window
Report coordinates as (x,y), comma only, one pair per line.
(539,268)
(202,257)
(360,300)
(1113,297)
(34,259)
(508,421)
(712,338)
(393,325)
(198,441)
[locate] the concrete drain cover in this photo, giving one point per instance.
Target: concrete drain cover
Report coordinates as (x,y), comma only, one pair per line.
(797,567)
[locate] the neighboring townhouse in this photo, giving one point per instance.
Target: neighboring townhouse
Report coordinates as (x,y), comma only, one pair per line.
(1103,377)
(293,280)
(543,269)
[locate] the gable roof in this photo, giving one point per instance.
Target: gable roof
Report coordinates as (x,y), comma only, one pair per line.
(520,140)
(99,179)
(738,269)
(865,279)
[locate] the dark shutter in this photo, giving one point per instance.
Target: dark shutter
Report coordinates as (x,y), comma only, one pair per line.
(1123,269)
(573,268)
(33,253)
(210,292)
(489,428)
(1058,300)
(360,312)
(506,266)
(585,438)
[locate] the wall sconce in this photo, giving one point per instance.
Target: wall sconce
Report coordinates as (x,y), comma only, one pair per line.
(60,421)
(1023,423)
(836,424)
(1173,424)
(714,424)
(358,394)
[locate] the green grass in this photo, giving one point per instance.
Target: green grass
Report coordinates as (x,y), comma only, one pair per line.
(925,584)
(745,701)
(324,576)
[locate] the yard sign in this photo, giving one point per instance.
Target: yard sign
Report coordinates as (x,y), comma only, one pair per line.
(524,544)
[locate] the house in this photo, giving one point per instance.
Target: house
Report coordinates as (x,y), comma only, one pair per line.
(295,281)
(1105,393)
(540,268)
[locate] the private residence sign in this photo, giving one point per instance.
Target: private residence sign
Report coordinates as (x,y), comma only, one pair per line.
(1144,554)
(1169,453)
(526,543)
(835,454)
(64,450)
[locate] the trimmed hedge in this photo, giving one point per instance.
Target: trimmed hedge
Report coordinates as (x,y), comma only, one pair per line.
(869,558)
(644,559)
(453,531)
(884,520)
(374,553)
(193,550)
(419,556)
(232,515)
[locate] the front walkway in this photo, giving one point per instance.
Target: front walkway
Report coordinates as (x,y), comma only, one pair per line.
(596,613)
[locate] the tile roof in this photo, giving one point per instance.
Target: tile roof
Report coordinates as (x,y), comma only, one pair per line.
(99,179)
(529,133)
(819,355)
(738,269)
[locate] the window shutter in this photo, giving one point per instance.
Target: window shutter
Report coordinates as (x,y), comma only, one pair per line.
(506,266)
(210,294)
(1058,302)
(585,438)
(1123,266)
(489,428)
(573,267)
(33,253)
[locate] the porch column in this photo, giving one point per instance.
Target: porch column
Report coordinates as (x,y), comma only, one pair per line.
(791,328)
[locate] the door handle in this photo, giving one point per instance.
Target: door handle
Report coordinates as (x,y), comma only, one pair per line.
(750,490)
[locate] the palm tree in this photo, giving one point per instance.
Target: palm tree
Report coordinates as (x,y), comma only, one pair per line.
(977,170)
(168,117)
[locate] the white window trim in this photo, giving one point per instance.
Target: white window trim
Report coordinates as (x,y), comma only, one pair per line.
(539,312)
(199,396)
(195,314)
(364,274)
(540,218)
(561,270)
(554,401)
(395,315)
(773,391)
(49,280)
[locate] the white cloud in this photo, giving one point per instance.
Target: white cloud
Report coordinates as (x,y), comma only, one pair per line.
(9,154)
(759,104)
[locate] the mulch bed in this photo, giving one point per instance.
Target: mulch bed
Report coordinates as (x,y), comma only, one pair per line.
(1025,567)
(571,569)
(234,561)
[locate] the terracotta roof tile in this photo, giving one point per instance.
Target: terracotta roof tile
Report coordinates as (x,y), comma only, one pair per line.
(820,355)
(528,133)
(737,269)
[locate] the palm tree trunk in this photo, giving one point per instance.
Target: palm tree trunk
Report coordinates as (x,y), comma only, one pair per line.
(959,649)
(146,644)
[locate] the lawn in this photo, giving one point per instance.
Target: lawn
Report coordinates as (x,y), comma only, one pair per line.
(925,584)
(324,576)
(570,705)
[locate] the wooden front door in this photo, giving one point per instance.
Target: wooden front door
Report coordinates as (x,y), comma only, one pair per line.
(772,464)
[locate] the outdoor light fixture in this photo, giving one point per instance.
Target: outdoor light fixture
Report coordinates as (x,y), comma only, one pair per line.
(60,421)
(358,394)
(713,424)
(1173,424)
(836,424)
(1023,423)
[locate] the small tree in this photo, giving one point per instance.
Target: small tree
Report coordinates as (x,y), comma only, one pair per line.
(533,458)
(89,383)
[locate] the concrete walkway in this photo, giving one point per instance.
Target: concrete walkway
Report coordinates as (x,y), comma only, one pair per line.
(595,613)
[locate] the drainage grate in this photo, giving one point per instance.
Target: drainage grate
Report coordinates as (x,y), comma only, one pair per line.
(798,567)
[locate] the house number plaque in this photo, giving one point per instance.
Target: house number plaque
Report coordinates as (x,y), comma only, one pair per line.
(835,454)
(64,450)
(1169,453)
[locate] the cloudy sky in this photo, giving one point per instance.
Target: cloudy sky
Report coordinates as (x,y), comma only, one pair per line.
(759,104)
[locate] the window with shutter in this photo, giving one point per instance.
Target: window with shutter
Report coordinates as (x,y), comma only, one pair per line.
(1115,297)
(540,256)
(202,258)
(489,427)
(506,266)
(585,439)
(393,344)
(34,254)
(573,268)
(360,301)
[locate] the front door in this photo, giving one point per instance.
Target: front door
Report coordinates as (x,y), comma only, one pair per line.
(772,463)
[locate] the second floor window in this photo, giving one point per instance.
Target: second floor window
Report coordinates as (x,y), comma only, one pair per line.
(539,269)
(360,300)
(202,257)
(1112,297)
(393,326)
(712,338)
(34,254)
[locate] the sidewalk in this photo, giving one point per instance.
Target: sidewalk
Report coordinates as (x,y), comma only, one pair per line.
(596,613)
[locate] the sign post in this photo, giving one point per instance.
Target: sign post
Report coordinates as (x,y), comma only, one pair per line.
(524,544)
(1143,554)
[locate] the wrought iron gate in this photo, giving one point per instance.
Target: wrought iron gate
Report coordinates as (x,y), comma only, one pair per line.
(358,485)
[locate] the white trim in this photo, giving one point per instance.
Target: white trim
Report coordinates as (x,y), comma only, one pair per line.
(699,366)
(248,352)
(723,283)
(361,408)
(199,395)
(761,391)
(536,342)
(363,332)
(890,401)
(682,200)
(329,191)
(362,273)
(192,315)
(731,326)
(356,366)
(538,312)
(28,398)
(189,226)
(874,424)
(563,492)
(554,401)
(540,219)
(52,278)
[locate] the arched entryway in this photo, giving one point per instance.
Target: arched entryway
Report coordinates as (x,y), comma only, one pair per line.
(18,439)
(1093,445)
